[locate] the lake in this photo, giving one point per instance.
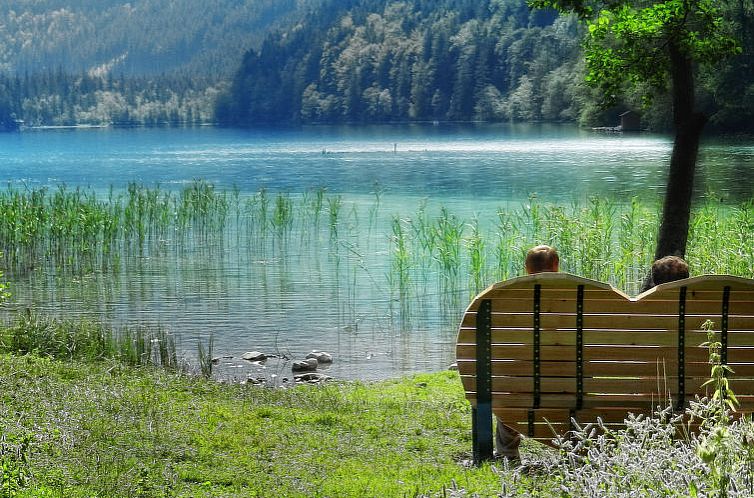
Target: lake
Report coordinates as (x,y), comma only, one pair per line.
(321,275)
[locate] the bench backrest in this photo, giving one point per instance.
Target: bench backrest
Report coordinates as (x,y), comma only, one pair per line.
(546,348)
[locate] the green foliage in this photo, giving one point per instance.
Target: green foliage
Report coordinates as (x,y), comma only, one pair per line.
(86,340)
(715,447)
(375,61)
(372,61)
(629,44)
(15,471)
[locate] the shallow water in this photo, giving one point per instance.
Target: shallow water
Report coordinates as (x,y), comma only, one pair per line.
(312,289)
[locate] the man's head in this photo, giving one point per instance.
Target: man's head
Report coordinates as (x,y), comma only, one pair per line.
(542,258)
(669,269)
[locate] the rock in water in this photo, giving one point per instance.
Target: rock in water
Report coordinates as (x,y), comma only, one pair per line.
(254,356)
(307,365)
(320,356)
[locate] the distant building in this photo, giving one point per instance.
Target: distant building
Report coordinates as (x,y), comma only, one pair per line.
(630,121)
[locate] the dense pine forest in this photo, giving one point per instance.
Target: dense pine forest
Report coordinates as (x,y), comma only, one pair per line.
(256,62)
(427,60)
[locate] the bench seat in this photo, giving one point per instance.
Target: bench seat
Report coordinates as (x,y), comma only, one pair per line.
(541,350)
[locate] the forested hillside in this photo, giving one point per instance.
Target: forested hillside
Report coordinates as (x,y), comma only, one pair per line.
(136,37)
(138,62)
(145,62)
(377,61)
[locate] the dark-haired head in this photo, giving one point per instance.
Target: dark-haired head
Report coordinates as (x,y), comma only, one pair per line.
(669,269)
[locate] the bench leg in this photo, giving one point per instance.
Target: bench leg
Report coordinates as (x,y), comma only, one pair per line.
(481,432)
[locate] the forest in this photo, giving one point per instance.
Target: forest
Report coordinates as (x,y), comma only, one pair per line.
(458,60)
(261,62)
(138,62)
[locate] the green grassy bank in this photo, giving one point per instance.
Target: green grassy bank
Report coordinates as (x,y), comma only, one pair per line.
(103,429)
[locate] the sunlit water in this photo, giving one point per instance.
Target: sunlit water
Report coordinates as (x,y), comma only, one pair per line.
(314,289)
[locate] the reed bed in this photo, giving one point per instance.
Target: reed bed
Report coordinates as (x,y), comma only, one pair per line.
(430,261)
(87,340)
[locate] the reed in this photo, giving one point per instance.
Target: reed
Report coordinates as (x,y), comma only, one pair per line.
(206,355)
(449,232)
(401,257)
(282,215)
(476,247)
(430,257)
(334,206)
(87,340)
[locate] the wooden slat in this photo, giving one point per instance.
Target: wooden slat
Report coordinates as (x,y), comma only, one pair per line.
(603,368)
(607,353)
(608,321)
(551,337)
(618,306)
(645,385)
(628,402)
(596,402)
(594,353)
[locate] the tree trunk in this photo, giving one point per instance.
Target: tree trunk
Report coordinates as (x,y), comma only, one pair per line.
(676,211)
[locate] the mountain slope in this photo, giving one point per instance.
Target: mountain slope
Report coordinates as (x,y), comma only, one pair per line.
(137,37)
(378,60)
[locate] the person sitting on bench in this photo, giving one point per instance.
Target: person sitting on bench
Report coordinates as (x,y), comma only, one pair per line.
(538,259)
(669,269)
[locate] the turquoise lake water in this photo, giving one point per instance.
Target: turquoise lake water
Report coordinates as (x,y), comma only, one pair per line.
(315,289)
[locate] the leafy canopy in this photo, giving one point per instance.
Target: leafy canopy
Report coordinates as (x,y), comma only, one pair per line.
(629,42)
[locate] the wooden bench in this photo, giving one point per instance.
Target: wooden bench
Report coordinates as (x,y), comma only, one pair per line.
(541,350)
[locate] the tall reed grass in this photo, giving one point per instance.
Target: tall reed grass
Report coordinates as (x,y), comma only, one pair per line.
(431,255)
(87,340)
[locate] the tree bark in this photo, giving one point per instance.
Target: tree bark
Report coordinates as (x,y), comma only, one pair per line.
(676,211)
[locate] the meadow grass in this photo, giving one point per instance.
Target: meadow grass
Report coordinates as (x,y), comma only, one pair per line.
(102,429)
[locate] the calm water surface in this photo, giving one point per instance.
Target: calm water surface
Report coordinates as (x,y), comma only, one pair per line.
(312,289)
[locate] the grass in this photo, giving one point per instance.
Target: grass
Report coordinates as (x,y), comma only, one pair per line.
(103,429)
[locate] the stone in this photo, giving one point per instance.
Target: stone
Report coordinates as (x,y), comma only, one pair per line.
(255,380)
(320,356)
(216,360)
(307,365)
(311,378)
(254,356)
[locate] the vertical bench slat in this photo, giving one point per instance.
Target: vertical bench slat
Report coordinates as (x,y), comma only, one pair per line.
(681,348)
(580,347)
(537,344)
(482,414)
